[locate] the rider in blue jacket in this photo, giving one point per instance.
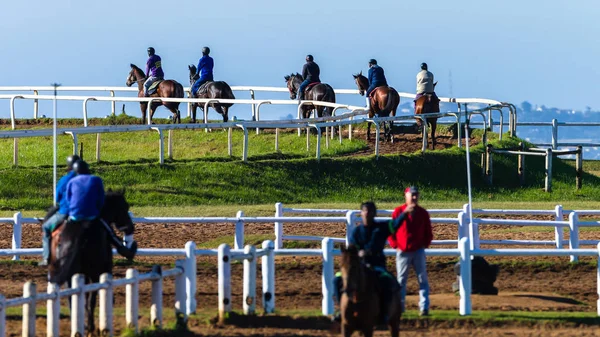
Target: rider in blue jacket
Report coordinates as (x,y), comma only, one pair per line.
(205,70)
(376,76)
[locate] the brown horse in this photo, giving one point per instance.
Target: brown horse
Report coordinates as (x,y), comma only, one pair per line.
(383,101)
(359,302)
(166,88)
(211,89)
(427,104)
(318,92)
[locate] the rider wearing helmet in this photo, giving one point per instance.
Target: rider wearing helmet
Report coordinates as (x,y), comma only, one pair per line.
(376,76)
(205,70)
(370,238)
(61,212)
(154,70)
(425,83)
(310,74)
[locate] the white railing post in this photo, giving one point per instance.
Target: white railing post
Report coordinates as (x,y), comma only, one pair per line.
(463,225)
(268,277)
(29,292)
(230,142)
(53,311)
(161,145)
(465,277)
(98,143)
(132,300)
(190,277)
(16,237)
(105,295)
(77,306)
(350,216)
(573,234)
(327,278)
(249,287)
(278,226)
(239,231)
(180,295)
(224,276)
(554,134)
(112,103)
(156,309)
(170,145)
(16,152)
(558,230)
(2,316)
(35,115)
(548,180)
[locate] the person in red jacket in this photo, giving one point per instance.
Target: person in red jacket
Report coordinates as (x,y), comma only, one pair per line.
(411,239)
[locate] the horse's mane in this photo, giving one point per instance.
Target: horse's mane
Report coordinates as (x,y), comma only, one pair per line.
(287,77)
(134,67)
(114,193)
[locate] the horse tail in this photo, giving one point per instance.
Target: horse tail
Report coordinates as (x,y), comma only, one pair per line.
(329,97)
(179,92)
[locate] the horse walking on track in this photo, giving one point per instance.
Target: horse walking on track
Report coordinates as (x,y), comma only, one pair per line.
(85,248)
(314,92)
(164,88)
(427,104)
(360,303)
(213,90)
(383,102)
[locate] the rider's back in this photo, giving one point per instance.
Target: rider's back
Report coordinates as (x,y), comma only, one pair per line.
(85,196)
(377,76)
(424,82)
(154,63)
(205,66)
(311,72)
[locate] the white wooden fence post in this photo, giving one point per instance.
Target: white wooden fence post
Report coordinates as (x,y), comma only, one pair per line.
(573,234)
(105,319)
(327,278)
(29,292)
(463,225)
(77,306)
(53,311)
(350,219)
(239,231)
(278,226)
(16,238)
(249,287)
(132,300)
(2,316)
(548,180)
(268,277)
(190,277)
(554,134)
(465,277)
(156,309)
(180,295)
(558,230)
(224,275)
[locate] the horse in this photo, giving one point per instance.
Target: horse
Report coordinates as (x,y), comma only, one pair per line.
(359,302)
(315,92)
(383,101)
(166,88)
(423,105)
(213,90)
(85,248)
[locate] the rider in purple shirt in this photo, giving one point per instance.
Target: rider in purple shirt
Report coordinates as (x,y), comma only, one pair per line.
(154,71)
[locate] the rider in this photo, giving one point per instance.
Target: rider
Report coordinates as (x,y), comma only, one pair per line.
(376,76)
(310,74)
(205,69)
(371,238)
(425,83)
(154,71)
(85,198)
(61,214)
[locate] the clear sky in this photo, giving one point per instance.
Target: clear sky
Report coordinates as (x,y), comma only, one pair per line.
(542,51)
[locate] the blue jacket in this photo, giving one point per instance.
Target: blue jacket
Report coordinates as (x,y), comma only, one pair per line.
(85,197)
(61,187)
(205,67)
(372,239)
(376,76)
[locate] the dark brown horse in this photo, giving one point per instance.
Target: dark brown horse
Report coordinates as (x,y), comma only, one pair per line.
(85,248)
(427,104)
(166,88)
(383,102)
(212,89)
(318,92)
(359,302)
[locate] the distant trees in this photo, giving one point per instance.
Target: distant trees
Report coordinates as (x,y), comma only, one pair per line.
(526,106)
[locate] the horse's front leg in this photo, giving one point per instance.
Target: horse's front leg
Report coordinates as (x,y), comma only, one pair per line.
(144,108)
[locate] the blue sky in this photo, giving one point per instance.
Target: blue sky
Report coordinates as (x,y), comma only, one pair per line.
(545,52)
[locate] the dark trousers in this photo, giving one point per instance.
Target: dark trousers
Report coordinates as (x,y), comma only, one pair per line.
(199,83)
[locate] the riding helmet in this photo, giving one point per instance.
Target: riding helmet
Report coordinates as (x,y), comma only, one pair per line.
(71,160)
(309,58)
(372,61)
(150,50)
(81,167)
(424,66)
(205,50)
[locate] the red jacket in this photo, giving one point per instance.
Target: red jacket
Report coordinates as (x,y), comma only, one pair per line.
(414,233)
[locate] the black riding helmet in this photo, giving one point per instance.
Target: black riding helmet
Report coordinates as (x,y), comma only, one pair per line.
(373,61)
(424,66)
(205,50)
(309,58)
(81,167)
(71,160)
(150,51)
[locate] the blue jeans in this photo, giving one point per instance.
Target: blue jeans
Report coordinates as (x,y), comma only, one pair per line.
(301,89)
(47,228)
(416,259)
(149,82)
(199,82)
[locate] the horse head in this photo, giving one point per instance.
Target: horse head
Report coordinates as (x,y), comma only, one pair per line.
(116,210)
(193,73)
(353,273)
(135,75)
(293,83)
(361,82)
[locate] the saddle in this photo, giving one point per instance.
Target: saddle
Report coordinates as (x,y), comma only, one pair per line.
(203,88)
(310,86)
(154,87)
